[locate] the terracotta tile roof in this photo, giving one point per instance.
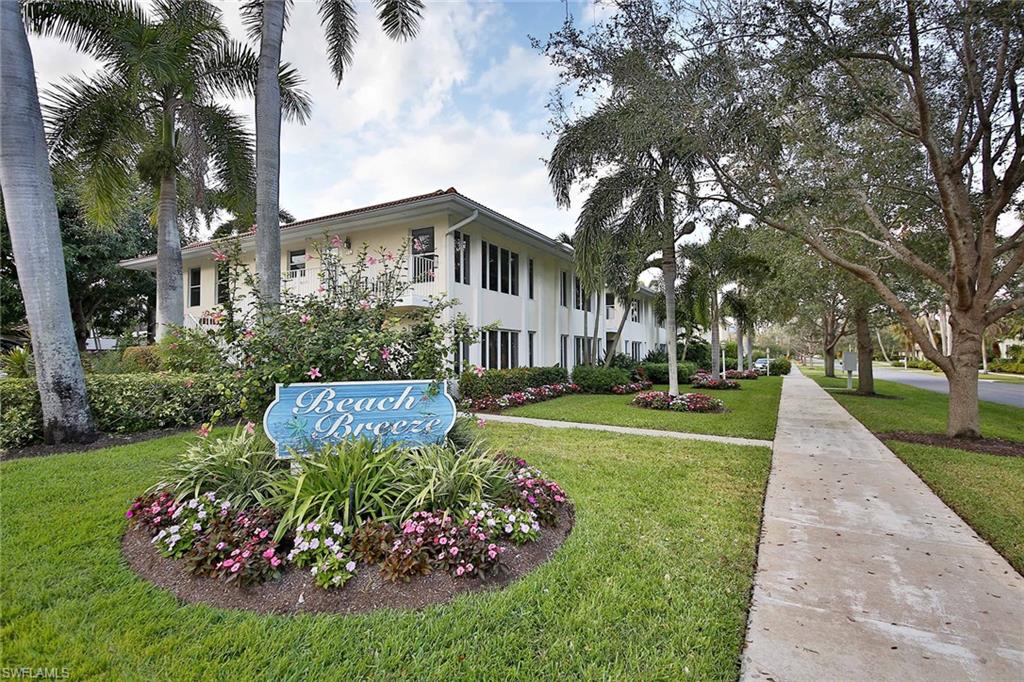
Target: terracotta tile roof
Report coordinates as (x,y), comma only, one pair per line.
(343,214)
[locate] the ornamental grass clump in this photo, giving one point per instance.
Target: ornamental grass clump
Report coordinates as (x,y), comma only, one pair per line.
(446,477)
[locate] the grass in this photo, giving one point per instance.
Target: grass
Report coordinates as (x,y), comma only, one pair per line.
(907,408)
(653,582)
(987,491)
(752,411)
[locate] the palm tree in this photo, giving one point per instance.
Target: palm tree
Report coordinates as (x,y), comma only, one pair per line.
(266,20)
(152,112)
(31,210)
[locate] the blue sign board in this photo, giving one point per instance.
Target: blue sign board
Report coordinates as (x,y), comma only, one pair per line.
(304,416)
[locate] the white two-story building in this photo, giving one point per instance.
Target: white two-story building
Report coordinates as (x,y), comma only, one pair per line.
(500,272)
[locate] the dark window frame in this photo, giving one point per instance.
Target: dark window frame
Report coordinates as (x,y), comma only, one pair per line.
(195,287)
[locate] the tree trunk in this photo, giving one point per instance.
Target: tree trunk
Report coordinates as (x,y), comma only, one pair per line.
(881,346)
(739,347)
(618,332)
(668,270)
(268,153)
(598,314)
(963,419)
(80,323)
(865,370)
(170,302)
(716,339)
(750,349)
(830,360)
(35,240)
(150,319)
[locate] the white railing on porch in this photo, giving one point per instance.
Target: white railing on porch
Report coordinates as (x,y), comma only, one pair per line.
(422,279)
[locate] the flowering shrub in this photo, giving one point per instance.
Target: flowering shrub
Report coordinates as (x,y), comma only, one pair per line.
(536,494)
(189,521)
(687,402)
(517,398)
(738,374)
(321,545)
(707,382)
(152,511)
(505,523)
(482,383)
(623,389)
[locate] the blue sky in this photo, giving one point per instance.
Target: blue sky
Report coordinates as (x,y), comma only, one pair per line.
(461,105)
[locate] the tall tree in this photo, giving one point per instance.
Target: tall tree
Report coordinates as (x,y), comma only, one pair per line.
(31,212)
(910,112)
(153,111)
(266,20)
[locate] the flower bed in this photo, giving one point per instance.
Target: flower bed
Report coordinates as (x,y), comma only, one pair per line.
(623,389)
(203,540)
(517,398)
(687,402)
(741,374)
(707,382)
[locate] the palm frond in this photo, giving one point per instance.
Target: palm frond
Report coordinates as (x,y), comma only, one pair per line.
(582,148)
(400,19)
(229,69)
(338,17)
(252,16)
(109,30)
(296,104)
(231,155)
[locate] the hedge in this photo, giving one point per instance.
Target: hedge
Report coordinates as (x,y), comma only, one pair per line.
(1008,366)
(599,379)
(141,359)
(779,366)
(492,383)
(123,403)
(658,371)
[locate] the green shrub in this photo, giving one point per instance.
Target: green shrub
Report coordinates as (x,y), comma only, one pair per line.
(498,382)
(349,482)
(658,371)
(598,379)
(465,432)
(445,477)
(140,359)
(104,362)
(17,363)
(190,350)
(1008,366)
(779,366)
(124,403)
(240,469)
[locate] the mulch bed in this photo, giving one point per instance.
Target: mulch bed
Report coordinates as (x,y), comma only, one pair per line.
(295,592)
(989,446)
(105,440)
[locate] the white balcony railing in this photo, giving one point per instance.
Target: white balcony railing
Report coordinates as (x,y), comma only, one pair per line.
(422,279)
(609,312)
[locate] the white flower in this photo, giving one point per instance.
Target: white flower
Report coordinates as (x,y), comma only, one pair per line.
(197,526)
(339,529)
(508,527)
(314,543)
(491,523)
(511,518)
(201,514)
(523,527)
(174,529)
(350,567)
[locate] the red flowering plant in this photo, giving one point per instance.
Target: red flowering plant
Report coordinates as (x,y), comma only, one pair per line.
(505,523)
(741,374)
(533,394)
(152,511)
(623,389)
(254,556)
(686,402)
(534,493)
(707,382)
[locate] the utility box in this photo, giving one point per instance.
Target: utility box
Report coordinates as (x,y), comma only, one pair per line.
(849,361)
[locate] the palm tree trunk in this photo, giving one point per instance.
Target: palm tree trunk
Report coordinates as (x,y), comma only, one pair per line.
(618,332)
(597,327)
(716,340)
(170,302)
(739,346)
(35,240)
(750,348)
(268,153)
(669,273)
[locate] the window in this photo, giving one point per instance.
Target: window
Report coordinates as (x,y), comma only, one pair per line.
(634,311)
(297,263)
(579,301)
(529,280)
(194,287)
(563,291)
(634,350)
(423,241)
(529,346)
(223,287)
(461,355)
(499,349)
(582,347)
(500,269)
(461,257)
(563,351)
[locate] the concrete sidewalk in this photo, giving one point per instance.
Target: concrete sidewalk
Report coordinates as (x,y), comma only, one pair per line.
(862,572)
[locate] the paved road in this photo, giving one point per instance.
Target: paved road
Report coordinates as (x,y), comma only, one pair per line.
(994,391)
(863,573)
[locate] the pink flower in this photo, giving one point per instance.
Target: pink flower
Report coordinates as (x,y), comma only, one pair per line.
(220,546)
(263,534)
(370,260)
(314,373)
(460,570)
(304,318)
(389,256)
(236,567)
(275,562)
(204,431)
(321,289)
(248,334)
(481,422)
(479,371)
(250,428)
(336,241)
(219,256)
(385,354)
(228,563)
(364,304)
(128,514)
(268,554)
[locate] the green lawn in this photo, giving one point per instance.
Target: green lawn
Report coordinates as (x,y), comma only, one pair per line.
(907,408)
(752,411)
(987,491)
(653,582)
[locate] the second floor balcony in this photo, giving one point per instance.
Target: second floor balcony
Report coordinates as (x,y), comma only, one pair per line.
(420,278)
